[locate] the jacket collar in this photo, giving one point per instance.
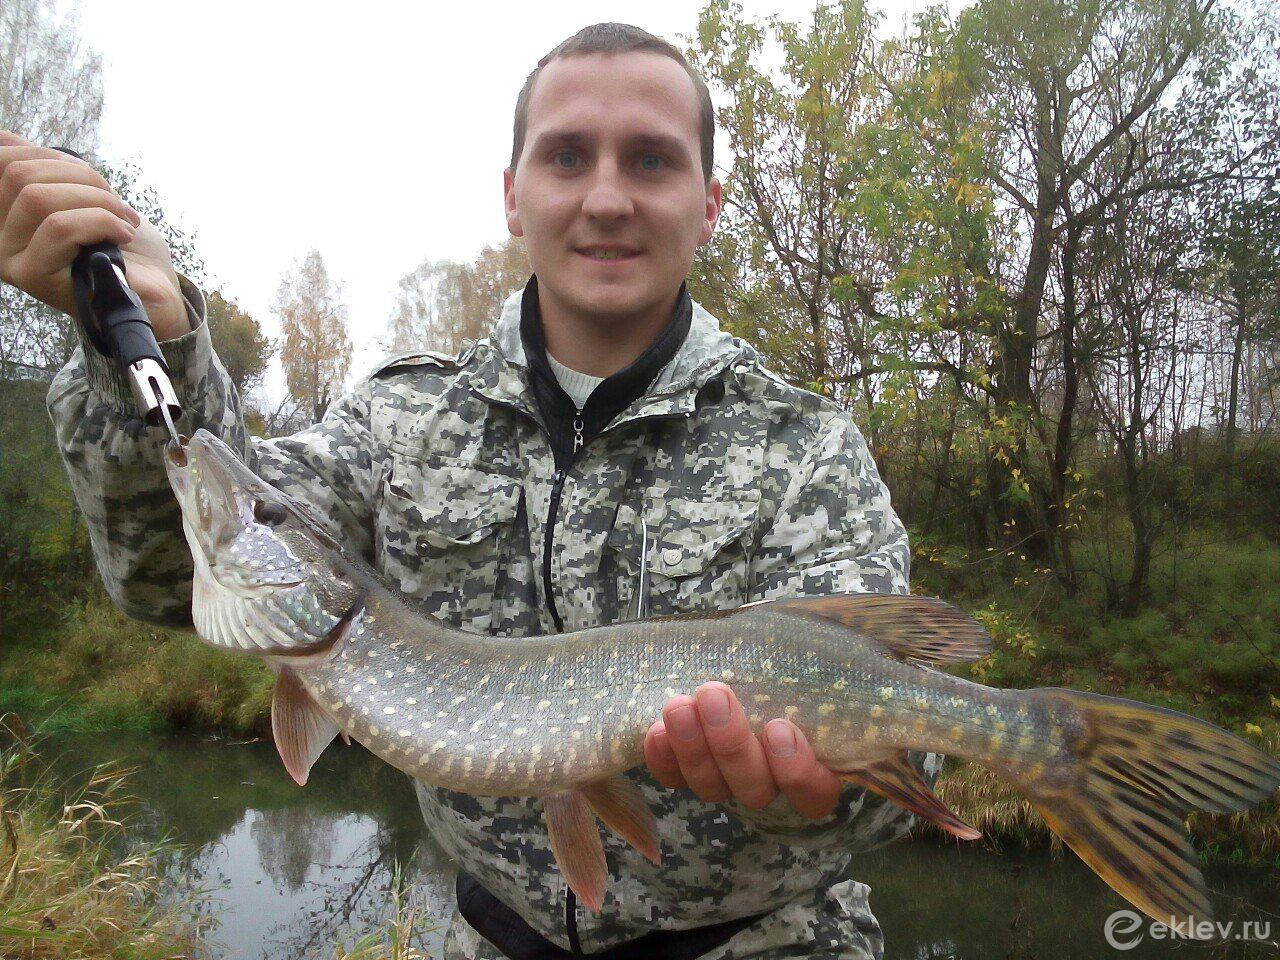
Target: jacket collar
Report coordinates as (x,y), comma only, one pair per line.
(502,374)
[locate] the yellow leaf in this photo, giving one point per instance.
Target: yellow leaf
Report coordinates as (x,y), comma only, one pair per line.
(1253,728)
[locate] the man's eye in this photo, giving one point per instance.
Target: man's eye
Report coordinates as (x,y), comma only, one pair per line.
(565,158)
(651,161)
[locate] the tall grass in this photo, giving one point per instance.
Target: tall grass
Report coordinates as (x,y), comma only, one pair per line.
(73,882)
(400,935)
(96,669)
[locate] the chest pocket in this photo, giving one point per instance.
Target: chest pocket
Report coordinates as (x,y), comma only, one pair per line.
(445,534)
(698,552)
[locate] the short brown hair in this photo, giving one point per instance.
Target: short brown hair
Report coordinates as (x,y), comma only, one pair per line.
(619,38)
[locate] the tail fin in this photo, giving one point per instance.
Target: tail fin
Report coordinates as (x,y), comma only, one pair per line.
(1136,771)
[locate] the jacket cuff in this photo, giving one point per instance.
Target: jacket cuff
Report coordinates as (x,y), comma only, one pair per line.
(188,358)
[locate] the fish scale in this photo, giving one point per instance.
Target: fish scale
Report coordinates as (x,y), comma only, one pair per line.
(561,717)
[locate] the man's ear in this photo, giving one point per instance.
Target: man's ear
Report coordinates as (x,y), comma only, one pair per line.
(714,200)
(509,202)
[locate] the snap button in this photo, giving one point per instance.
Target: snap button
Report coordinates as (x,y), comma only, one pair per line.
(671,556)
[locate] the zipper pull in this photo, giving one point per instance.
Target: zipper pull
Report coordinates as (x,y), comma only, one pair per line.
(578,427)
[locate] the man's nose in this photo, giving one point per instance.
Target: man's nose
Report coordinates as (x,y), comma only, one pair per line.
(607,196)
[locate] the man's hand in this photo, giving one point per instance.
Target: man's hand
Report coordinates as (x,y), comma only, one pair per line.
(52,204)
(704,743)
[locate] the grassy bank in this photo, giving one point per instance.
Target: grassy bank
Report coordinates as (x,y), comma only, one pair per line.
(72,882)
(91,668)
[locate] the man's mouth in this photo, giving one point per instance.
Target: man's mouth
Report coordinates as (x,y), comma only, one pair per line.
(608,253)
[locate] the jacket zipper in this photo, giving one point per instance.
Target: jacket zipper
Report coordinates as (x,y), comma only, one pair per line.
(548,541)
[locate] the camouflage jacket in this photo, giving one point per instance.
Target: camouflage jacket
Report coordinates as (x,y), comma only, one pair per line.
(437,469)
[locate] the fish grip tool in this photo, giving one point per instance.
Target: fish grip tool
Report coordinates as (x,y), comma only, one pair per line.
(117,326)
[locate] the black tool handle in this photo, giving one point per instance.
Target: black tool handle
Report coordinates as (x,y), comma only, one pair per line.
(111,312)
(118,327)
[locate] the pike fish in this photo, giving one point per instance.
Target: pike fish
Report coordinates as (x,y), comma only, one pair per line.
(561,717)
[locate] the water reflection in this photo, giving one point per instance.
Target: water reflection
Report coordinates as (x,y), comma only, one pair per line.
(293,870)
(297,869)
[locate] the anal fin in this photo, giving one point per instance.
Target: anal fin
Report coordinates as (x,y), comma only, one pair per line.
(621,807)
(300,726)
(894,778)
(576,845)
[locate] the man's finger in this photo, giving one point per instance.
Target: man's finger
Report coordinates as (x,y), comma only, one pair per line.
(661,759)
(735,749)
(684,733)
(19,174)
(812,789)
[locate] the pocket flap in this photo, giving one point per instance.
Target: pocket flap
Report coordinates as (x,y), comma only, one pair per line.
(685,532)
(451,503)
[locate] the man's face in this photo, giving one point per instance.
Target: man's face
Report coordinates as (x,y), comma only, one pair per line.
(609,192)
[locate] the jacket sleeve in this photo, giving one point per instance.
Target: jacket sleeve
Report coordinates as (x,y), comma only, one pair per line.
(114,461)
(834,531)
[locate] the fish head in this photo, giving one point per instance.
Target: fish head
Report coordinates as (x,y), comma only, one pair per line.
(268,578)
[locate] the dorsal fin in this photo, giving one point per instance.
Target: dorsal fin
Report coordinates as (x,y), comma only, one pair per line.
(913,628)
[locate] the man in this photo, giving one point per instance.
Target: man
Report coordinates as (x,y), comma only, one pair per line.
(606,449)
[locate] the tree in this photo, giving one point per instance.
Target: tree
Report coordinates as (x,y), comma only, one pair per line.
(316,351)
(441,304)
(50,88)
(239,341)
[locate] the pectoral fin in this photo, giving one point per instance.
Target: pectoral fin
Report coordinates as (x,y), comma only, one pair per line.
(576,844)
(896,779)
(620,805)
(300,726)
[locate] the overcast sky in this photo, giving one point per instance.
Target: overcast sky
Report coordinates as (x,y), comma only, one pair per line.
(375,132)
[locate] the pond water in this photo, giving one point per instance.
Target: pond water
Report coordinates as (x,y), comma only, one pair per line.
(295,869)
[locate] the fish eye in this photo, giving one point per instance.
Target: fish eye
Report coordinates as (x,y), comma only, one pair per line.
(270,512)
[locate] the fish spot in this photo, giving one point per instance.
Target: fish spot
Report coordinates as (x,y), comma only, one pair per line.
(404,733)
(725,675)
(827,708)
(877,712)
(388,710)
(411,701)
(886,693)
(543,704)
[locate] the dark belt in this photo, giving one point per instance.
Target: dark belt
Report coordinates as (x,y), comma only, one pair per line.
(508,931)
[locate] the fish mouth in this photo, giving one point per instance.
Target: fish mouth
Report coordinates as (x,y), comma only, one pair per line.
(216,492)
